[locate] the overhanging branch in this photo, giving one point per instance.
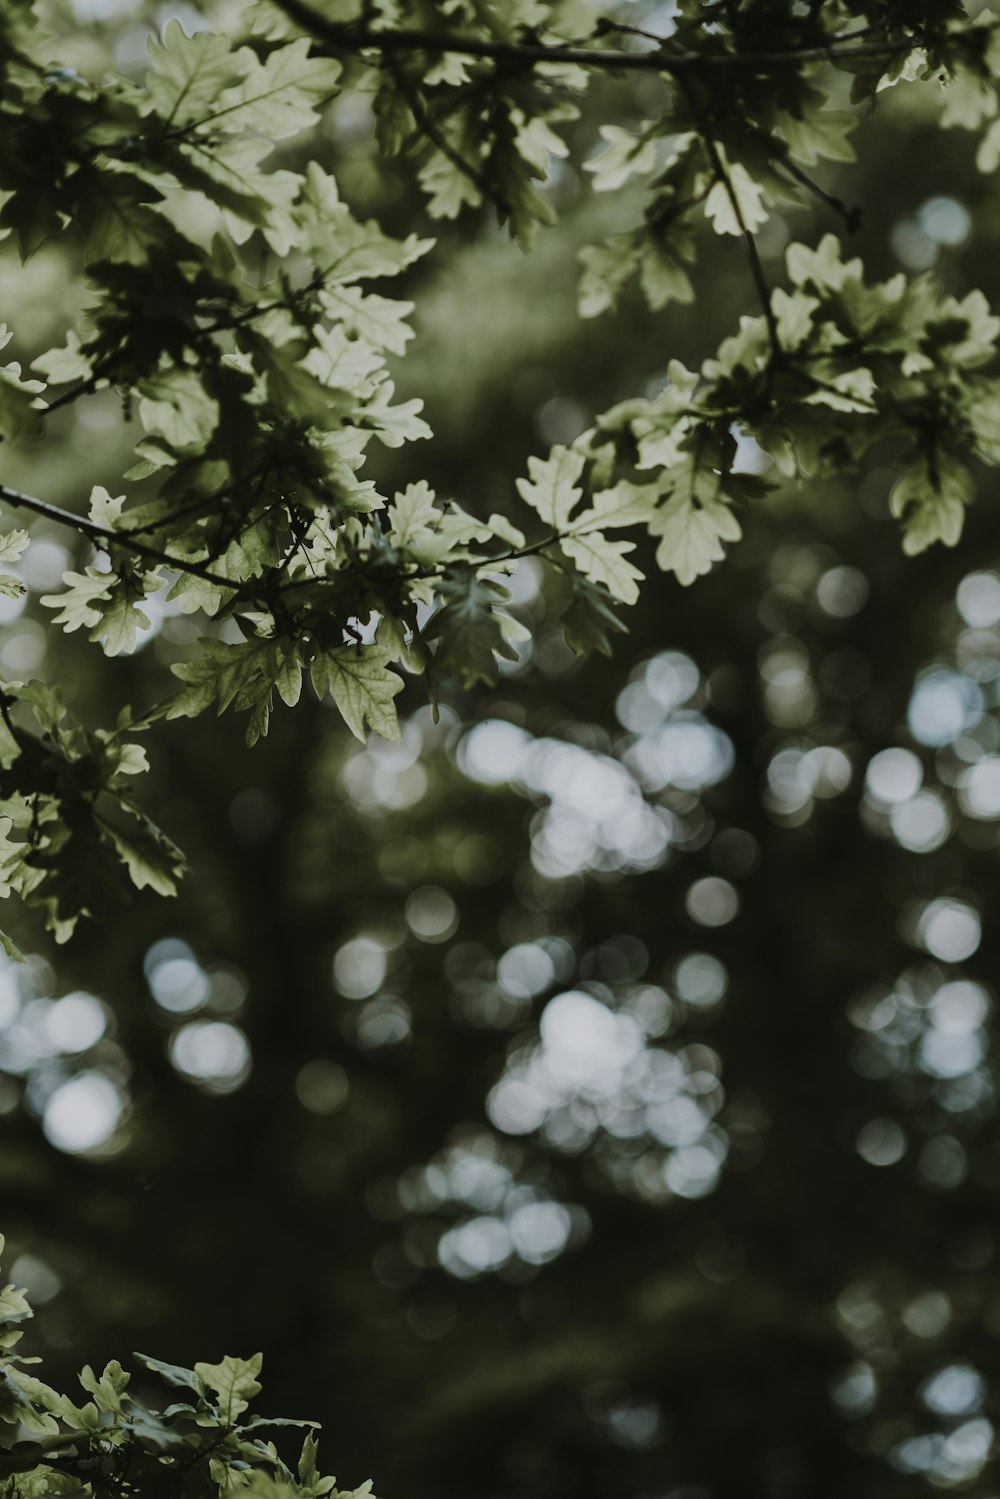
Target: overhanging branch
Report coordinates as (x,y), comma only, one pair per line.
(106,536)
(350,36)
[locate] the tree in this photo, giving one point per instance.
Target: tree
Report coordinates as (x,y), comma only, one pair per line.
(414,1107)
(259,393)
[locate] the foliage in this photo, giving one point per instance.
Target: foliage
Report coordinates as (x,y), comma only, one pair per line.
(117,1444)
(802,1296)
(233,310)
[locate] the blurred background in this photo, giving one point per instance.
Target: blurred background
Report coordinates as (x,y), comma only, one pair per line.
(595,1093)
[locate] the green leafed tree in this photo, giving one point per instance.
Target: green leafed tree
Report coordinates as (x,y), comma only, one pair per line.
(239,308)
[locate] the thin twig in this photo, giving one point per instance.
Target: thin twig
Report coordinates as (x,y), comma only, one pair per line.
(440,140)
(85,388)
(780,153)
(851,216)
(749,243)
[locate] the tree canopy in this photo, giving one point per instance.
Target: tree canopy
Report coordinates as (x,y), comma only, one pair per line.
(227,300)
(567,1055)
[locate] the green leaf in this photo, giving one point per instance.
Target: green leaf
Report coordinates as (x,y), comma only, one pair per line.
(845,390)
(930,499)
(108,1389)
(176,407)
(11,858)
(149,1426)
(412,514)
(551,490)
(358,680)
(661,275)
(11,948)
(193,593)
(243,675)
(13,1305)
(279,97)
(310,1480)
(104,510)
(255,1422)
(172,1374)
(984,415)
(345,249)
(256,1484)
(469,629)
(341,363)
(63,365)
(819,132)
(29,1402)
(216,675)
(115,215)
(606,268)
(379,320)
(429,532)
(13,545)
(188,73)
(449,189)
(78,602)
(396,425)
(988,155)
(503,530)
(967,330)
(47,702)
(624,155)
(794,317)
(120,622)
(234,1382)
(735,204)
(19,411)
(904,67)
(229,173)
(152,861)
(288,678)
(969,100)
(822,268)
(626,504)
(604,562)
(127,759)
(589,620)
(692,532)
(82,1418)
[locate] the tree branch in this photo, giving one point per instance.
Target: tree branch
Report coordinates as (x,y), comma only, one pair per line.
(352,37)
(107,534)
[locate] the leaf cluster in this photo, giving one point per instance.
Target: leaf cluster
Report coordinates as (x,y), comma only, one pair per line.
(116,1443)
